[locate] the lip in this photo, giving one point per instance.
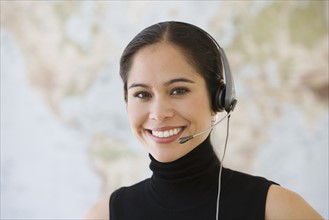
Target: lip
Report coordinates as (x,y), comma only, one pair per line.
(165,140)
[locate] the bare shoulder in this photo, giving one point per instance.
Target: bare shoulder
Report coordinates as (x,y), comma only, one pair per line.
(99,211)
(282,203)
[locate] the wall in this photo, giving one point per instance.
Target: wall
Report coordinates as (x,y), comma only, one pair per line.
(65,139)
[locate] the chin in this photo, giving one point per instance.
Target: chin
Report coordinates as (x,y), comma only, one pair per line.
(166,157)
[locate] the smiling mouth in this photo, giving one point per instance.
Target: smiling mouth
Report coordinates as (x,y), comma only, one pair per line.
(166,133)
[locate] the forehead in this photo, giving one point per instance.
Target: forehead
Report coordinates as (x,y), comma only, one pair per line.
(161,61)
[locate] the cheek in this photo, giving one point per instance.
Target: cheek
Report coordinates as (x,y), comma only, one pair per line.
(199,104)
(199,110)
(136,115)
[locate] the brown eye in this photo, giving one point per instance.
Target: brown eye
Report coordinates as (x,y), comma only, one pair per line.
(142,95)
(179,91)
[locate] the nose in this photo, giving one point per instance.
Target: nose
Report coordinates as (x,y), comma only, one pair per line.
(161,110)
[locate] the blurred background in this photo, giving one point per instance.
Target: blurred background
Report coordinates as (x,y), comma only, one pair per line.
(65,138)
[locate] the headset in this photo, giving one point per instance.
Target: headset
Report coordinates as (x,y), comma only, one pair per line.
(225,96)
(224,99)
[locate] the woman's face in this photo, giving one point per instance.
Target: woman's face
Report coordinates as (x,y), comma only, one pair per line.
(166,99)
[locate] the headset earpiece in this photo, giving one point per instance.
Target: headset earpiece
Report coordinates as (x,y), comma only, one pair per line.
(219,99)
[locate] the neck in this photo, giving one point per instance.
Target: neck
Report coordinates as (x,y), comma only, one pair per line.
(189,179)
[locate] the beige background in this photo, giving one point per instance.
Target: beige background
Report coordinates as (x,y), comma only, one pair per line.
(65,139)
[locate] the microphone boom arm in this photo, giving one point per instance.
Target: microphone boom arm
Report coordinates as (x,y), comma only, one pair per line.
(187,138)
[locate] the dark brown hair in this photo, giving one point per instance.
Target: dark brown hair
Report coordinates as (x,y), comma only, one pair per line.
(199,47)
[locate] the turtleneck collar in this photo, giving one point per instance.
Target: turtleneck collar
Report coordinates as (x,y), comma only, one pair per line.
(188,180)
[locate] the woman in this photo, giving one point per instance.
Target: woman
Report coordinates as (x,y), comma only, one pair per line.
(172,72)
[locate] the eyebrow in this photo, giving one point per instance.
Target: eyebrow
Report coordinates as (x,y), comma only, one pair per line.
(176,80)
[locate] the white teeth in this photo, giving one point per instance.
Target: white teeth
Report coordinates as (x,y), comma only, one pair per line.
(165,134)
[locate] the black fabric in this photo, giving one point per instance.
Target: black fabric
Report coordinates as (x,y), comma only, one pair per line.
(187,189)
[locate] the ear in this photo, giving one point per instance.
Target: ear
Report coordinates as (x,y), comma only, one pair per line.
(213,113)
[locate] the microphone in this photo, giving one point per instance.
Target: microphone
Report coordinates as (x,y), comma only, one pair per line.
(183,140)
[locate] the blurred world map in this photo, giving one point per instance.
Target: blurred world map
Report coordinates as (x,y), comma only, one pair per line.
(65,138)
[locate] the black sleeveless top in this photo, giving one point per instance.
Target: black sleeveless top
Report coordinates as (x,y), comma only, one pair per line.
(187,189)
